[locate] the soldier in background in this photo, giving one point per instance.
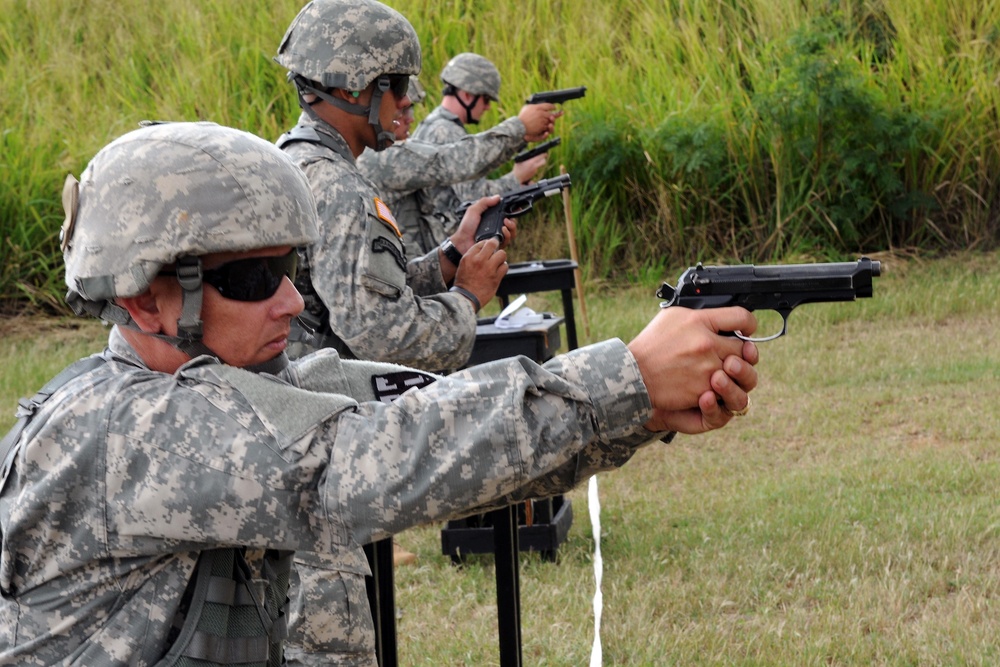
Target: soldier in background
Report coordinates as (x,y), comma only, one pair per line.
(404,171)
(471,84)
(351,64)
(152,494)
(364,296)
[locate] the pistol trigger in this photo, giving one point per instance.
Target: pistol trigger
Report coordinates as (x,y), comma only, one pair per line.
(524,208)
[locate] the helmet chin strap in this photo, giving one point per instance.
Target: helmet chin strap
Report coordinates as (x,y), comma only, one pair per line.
(383,137)
(469,120)
(189,330)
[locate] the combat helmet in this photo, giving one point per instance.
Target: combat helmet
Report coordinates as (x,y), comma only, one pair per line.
(474,74)
(169,193)
(416,92)
(348,44)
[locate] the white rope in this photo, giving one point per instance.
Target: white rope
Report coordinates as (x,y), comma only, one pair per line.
(594,505)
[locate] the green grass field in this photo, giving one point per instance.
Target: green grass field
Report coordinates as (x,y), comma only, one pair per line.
(850,519)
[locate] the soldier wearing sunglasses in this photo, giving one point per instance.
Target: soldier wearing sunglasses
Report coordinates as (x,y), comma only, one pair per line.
(152,495)
(350,63)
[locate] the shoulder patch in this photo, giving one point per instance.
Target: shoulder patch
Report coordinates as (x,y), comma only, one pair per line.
(390,386)
(385,215)
(383,244)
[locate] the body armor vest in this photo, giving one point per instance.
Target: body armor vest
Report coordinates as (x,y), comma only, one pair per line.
(227,616)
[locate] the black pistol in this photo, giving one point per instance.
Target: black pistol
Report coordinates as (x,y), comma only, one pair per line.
(557,96)
(537,150)
(780,288)
(514,203)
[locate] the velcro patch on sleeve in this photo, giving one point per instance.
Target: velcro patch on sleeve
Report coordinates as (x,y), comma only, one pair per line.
(384,244)
(390,386)
(385,215)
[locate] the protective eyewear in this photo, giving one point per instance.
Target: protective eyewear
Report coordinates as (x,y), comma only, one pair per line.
(251,279)
(399,84)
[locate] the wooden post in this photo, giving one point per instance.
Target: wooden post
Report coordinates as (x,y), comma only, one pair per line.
(571,235)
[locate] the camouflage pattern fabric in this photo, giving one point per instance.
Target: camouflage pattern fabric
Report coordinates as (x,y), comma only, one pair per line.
(127,474)
(443,127)
(380,304)
(348,43)
(474,74)
(401,171)
(136,211)
(416,91)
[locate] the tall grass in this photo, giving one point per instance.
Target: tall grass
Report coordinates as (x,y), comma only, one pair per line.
(714,129)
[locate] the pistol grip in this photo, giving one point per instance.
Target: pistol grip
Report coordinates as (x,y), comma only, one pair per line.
(491,224)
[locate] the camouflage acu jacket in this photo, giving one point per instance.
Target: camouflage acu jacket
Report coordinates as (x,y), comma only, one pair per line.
(126,474)
(381,305)
(443,127)
(402,171)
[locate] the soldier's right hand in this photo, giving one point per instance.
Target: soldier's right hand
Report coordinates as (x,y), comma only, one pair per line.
(525,171)
(539,120)
(688,365)
(481,270)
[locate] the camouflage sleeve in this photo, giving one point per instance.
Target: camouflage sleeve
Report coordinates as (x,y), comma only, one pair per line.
(483,434)
(483,187)
(424,276)
(360,272)
(239,458)
(439,129)
(414,164)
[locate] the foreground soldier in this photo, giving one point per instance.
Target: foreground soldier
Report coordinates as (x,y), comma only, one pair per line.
(149,508)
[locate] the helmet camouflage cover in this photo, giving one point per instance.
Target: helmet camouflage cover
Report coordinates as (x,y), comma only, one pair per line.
(169,190)
(416,91)
(474,74)
(347,44)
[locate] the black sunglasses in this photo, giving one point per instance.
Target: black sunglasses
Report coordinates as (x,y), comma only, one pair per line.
(399,84)
(251,279)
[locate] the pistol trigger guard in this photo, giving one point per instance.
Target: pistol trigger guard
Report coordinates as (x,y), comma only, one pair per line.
(763,339)
(526,206)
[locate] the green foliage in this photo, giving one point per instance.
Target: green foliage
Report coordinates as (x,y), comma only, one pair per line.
(750,130)
(838,148)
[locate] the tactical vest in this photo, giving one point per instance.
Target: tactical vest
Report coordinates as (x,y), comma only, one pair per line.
(226,617)
(312,329)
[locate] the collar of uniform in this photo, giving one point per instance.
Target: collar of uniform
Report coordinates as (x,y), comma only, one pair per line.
(329,137)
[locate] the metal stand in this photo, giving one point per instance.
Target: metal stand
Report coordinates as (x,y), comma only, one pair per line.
(502,531)
(382,600)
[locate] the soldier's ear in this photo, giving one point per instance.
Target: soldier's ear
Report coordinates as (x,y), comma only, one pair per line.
(350,96)
(150,310)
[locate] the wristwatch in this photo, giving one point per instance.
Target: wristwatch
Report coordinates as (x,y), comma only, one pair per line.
(451,252)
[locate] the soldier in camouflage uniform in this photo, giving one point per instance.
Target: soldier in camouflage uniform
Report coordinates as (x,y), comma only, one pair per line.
(150,498)
(404,170)
(350,63)
(471,83)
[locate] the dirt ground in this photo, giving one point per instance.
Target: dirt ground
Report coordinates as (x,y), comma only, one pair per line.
(53,327)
